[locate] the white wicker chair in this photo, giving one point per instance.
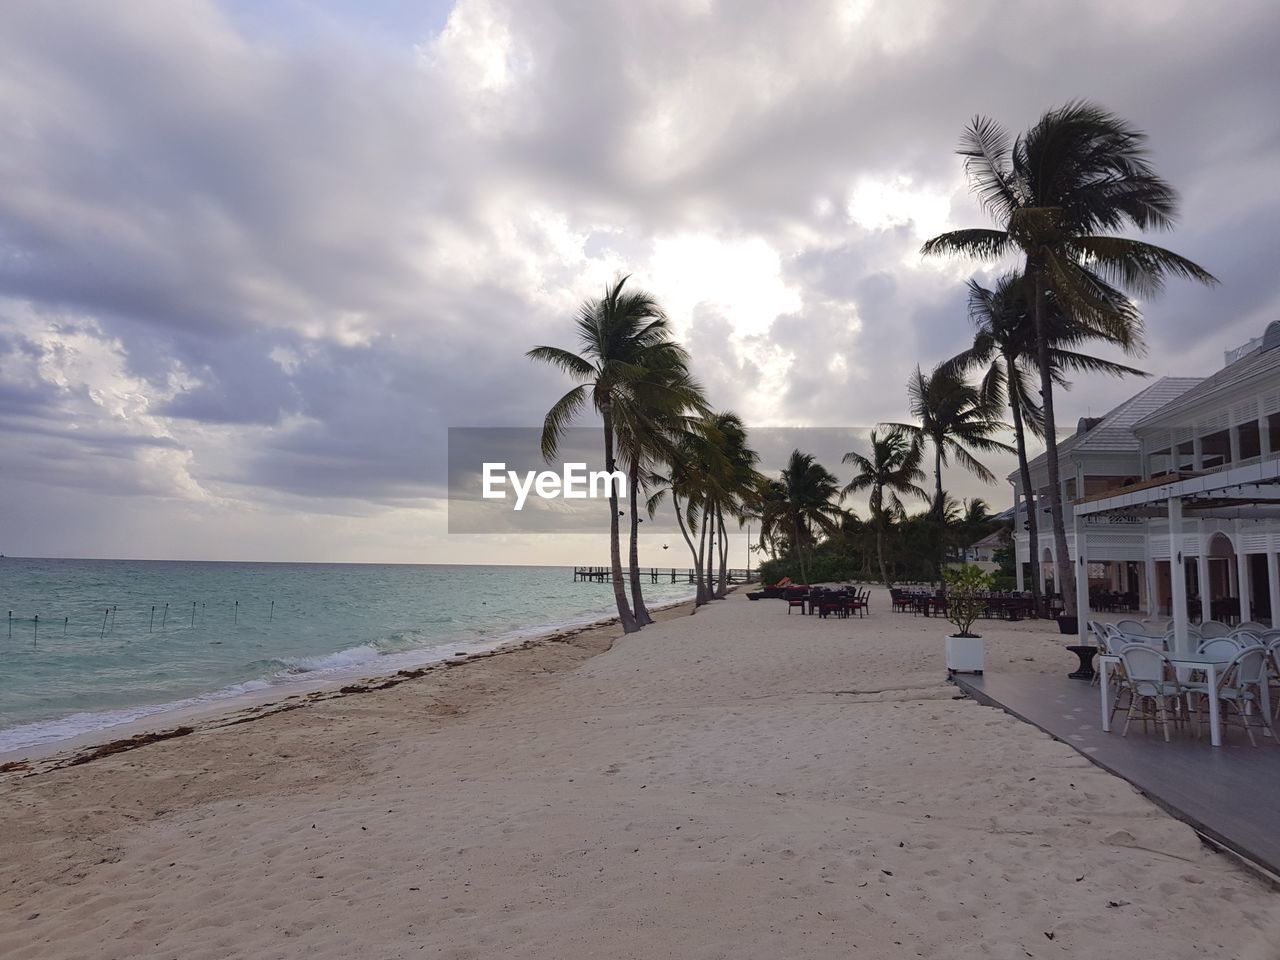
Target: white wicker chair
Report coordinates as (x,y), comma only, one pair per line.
(1214,628)
(1240,689)
(1153,690)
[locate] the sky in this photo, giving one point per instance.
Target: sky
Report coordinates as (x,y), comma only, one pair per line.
(256,259)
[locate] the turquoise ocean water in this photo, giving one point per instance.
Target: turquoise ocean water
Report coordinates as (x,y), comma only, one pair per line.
(99,657)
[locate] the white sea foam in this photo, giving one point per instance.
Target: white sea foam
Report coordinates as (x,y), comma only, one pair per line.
(352,656)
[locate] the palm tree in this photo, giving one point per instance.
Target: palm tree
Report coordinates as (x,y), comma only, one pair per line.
(647,415)
(892,469)
(1004,350)
(735,483)
(622,336)
(1058,194)
(800,500)
(955,418)
(697,457)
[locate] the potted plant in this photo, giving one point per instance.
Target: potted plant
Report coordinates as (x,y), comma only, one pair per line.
(967,589)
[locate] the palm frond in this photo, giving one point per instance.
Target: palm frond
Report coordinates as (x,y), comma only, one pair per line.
(975,242)
(558,419)
(564,360)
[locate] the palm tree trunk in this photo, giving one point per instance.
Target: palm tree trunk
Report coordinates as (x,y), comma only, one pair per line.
(884,576)
(1062,567)
(938,506)
(1024,472)
(698,599)
(804,573)
(722,590)
(710,524)
(703,596)
(628,621)
(633,562)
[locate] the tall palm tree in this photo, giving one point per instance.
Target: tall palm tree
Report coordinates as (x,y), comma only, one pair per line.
(696,459)
(622,335)
(648,416)
(799,501)
(767,508)
(955,419)
(735,484)
(892,470)
(1058,194)
(1004,352)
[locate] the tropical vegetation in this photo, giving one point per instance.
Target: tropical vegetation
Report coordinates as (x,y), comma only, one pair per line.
(1061,194)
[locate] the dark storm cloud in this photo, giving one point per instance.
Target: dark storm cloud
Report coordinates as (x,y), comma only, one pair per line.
(274,268)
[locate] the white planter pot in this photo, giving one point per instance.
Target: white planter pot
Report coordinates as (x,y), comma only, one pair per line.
(964,655)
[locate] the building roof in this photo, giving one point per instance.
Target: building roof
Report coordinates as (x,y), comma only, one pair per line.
(1261,362)
(996,538)
(1113,432)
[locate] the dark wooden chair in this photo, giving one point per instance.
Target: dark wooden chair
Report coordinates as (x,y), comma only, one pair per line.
(797,597)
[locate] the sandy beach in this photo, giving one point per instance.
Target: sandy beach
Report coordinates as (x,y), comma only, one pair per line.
(735,784)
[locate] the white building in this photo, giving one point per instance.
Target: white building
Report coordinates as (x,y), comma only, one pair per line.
(983,552)
(1190,461)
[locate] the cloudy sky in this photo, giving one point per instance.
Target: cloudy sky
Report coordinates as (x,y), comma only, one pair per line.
(255,259)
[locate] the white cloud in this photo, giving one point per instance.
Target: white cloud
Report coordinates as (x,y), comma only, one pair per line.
(277,271)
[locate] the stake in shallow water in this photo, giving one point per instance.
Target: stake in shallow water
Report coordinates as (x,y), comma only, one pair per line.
(193,613)
(272,615)
(152,625)
(103,632)
(164,617)
(236,618)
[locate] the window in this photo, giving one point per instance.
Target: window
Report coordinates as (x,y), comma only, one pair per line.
(1215,450)
(1250,441)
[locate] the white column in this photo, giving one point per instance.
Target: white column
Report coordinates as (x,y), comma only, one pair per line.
(1082,581)
(1264,435)
(1234,434)
(1149,571)
(1273,584)
(1020,511)
(1197,453)
(1202,572)
(1245,591)
(1177,576)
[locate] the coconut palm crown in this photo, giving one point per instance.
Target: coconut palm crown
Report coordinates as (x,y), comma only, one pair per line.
(1058,195)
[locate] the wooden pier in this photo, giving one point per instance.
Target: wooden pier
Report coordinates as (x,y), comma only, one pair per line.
(657,575)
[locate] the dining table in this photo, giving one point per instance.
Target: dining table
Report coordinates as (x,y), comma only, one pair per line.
(1212,665)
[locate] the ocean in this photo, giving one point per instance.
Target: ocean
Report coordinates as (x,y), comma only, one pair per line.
(92,644)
